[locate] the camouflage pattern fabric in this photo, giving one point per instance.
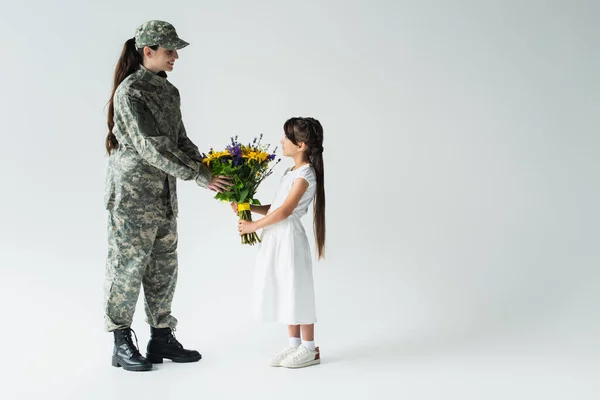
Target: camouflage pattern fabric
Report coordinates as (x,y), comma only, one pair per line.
(153,150)
(140,255)
(141,197)
(161,33)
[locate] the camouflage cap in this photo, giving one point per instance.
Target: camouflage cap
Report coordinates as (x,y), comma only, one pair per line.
(160,33)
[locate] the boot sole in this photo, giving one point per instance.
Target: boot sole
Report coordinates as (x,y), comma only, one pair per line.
(116,363)
(156,359)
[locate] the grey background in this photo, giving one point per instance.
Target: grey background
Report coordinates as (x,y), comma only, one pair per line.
(461,142)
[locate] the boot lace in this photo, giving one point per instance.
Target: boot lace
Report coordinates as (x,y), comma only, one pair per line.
(171,339)
(129,341)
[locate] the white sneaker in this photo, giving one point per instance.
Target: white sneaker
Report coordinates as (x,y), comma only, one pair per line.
(275,361)
(302,357)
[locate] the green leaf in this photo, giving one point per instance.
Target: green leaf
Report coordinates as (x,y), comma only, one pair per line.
(243,195)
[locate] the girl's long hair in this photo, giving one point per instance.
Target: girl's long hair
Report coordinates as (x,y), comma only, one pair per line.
(310,131)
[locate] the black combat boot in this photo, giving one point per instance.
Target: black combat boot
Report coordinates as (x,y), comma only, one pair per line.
(126,354)
(163,344)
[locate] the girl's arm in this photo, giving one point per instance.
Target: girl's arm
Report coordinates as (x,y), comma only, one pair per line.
(262,210)
(298,189)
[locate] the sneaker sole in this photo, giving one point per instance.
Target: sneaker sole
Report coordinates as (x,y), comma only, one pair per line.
(277,364)
(307,364)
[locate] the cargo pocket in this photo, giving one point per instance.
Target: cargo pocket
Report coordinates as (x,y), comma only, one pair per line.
(112,265)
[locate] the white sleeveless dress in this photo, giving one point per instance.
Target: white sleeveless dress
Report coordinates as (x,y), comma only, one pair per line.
(283,283)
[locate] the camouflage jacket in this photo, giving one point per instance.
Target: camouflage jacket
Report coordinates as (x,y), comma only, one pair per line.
(153,150)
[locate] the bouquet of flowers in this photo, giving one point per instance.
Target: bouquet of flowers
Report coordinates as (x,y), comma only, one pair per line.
(247,165)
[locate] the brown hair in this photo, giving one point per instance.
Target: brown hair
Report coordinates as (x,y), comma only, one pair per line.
(310,131)
(129,62)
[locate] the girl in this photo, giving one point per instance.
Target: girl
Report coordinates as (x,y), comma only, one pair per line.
(148,149)
(284,279)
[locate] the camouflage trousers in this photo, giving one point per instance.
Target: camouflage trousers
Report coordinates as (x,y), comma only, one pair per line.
(140,255)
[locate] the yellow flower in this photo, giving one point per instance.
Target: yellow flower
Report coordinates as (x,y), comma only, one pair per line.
(262,156)
(217,154)
(250,155)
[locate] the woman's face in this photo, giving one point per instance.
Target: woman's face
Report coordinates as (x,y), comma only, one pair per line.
(160,59)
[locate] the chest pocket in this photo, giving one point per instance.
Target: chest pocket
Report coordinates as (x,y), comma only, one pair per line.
(163,124)
(144,118)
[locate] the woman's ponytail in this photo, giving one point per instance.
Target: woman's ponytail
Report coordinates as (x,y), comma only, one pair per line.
(129,62)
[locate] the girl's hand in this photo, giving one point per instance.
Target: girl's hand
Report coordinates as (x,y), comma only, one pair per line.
(234,207)
(246,227)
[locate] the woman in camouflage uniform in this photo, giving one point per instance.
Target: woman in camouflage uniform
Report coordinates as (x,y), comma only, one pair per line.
(148,149)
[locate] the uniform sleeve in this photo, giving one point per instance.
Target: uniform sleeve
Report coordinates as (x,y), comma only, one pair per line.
(158,150)
(186,145)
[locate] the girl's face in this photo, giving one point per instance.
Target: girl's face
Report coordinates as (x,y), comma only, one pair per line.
(161,59)
(289,149)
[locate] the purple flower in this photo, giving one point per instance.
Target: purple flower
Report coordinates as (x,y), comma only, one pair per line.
(235,151)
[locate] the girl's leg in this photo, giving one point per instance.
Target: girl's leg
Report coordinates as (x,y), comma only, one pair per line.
(294,343)
(294,331)
(308,332)
(308,336)
(294,335)
(307,354)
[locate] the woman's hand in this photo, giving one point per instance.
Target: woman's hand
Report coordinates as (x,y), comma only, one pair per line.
(220,183)
(246,227)
(234,207)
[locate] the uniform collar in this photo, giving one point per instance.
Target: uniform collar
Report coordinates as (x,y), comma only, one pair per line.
(151,77)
